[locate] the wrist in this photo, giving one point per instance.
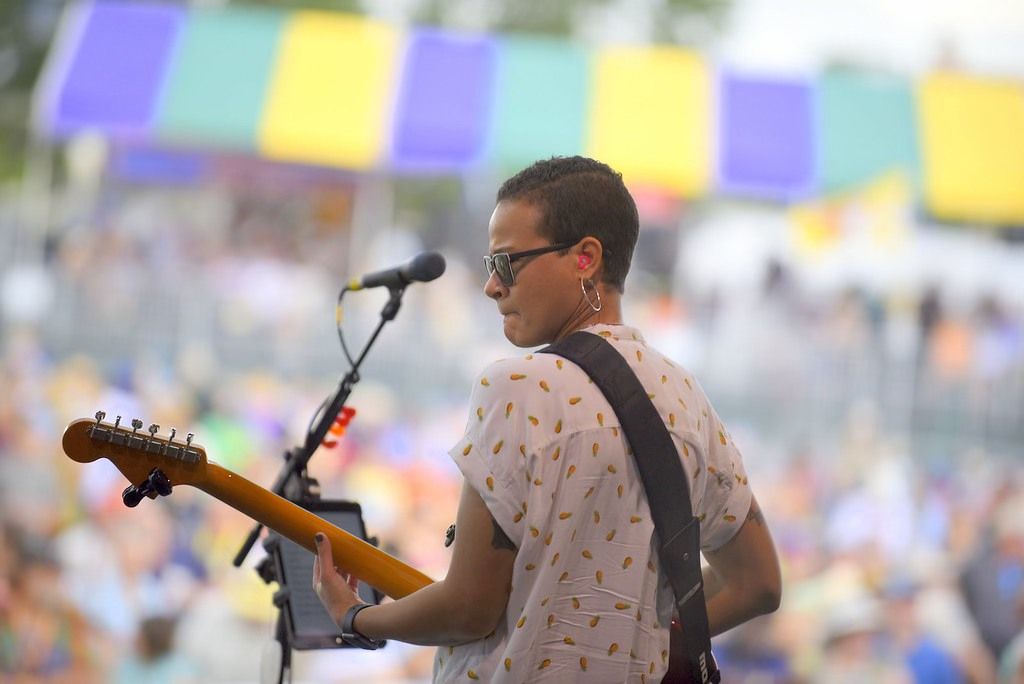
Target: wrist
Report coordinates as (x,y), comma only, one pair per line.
(354,637)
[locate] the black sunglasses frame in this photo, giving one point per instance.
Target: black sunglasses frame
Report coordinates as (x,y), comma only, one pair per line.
(491,261)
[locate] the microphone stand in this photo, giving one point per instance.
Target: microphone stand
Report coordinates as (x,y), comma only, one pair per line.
(297,459)
(293,481)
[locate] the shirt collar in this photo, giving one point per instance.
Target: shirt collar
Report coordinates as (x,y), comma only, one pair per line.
(622,332)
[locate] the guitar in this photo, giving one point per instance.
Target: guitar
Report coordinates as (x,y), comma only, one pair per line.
(154,464)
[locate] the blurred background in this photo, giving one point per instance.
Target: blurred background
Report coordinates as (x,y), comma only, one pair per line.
(832,206)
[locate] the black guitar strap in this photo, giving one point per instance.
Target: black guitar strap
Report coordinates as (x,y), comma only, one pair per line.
(668,492)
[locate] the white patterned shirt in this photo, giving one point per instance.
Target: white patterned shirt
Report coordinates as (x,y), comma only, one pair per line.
(547,454)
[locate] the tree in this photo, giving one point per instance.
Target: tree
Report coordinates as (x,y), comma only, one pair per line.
(26,31)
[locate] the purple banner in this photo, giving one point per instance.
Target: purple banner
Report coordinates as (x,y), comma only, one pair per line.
(766,146)
(118,65)
(159,166)
(444,102)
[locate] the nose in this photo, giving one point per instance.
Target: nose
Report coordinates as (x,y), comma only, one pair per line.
(493,287)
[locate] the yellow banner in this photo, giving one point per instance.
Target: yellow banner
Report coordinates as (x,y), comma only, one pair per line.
(650,117)
(972,148)
(331,91)
(875,218)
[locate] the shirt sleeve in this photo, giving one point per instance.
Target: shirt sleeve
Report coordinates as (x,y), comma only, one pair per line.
(727,493)
(492,452)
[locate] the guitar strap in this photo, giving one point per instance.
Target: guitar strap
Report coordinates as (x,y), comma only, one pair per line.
(668,492)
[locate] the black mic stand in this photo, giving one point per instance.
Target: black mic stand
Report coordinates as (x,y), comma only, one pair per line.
(293,481)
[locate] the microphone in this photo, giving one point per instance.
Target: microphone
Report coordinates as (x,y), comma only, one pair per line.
(421,268)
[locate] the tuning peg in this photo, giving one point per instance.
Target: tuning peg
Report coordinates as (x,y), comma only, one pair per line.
(159,482)
(136,424)
(170,441)
(153,429)
(117,423)
(132,496)
(188,440)
(156,483)
(99,415)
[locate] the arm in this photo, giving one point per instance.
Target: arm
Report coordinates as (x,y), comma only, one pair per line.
(743,580)
(464,606)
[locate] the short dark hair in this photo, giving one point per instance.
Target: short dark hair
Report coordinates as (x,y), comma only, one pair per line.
(580,197)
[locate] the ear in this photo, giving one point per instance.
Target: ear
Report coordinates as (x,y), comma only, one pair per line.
(590,256)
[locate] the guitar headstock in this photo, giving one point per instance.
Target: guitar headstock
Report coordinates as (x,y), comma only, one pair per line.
(137,454)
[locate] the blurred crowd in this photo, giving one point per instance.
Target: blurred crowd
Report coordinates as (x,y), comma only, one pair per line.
(91,590)
(882,431)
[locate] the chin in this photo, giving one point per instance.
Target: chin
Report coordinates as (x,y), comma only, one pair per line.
(515,335)
(525,338)
(522,343)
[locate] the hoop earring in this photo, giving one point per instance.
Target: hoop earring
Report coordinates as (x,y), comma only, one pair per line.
(597,293)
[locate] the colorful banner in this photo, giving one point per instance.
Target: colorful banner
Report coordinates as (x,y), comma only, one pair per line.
(345,91)
(115,72)
(766,140)
(866,127)
(330,94)
(218,81)
(445,102)
(972,134)
(655,135)
(871,220)
(135,164)
(540,106)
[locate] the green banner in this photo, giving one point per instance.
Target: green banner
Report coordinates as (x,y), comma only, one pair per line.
(217,85)
(541,103)
(867,125)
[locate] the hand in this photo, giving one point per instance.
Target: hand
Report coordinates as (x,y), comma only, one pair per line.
(336,590)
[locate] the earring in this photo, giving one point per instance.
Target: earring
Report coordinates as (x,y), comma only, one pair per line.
(597,293)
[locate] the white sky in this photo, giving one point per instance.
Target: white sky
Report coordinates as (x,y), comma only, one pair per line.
(985,37)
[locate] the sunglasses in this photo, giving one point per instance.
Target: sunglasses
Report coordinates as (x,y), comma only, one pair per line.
(501,263)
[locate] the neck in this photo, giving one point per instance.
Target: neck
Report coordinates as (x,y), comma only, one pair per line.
(584,315)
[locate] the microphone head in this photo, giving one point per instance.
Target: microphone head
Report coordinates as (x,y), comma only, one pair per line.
(425,267)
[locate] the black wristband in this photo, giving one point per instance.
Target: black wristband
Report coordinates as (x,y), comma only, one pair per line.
(354,638)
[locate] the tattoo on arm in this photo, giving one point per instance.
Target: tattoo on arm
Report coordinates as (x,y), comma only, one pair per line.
(755,514)
(500,540)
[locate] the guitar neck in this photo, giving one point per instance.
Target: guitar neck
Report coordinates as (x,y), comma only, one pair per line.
(373,566)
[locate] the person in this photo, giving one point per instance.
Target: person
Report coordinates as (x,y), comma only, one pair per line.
(554,573)
(154,658)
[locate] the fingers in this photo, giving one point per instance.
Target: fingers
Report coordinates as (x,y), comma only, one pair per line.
(325,559)
(323,549)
